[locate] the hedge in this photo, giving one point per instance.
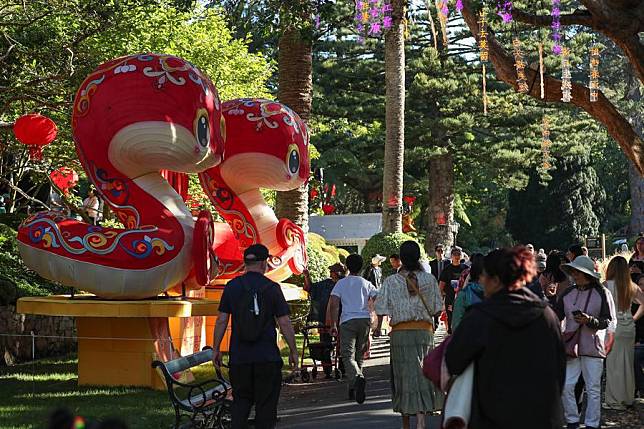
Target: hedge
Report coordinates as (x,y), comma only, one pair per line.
(385,245)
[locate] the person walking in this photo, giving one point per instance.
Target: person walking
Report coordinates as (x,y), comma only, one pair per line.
(586,310)
(620,376)
(411,298)
(91,205)
(472,293)
(394,260)
(320,292)
(553,280)
(448,281)
(637,259)
(514,340)
(255,303)
(639,343)
(437,265)
(374,272)
(354,294)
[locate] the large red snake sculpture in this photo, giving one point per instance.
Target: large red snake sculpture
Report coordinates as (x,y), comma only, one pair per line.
(138,115)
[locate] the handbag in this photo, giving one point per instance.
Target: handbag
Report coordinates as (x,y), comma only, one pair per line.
(458,404)
(571,339)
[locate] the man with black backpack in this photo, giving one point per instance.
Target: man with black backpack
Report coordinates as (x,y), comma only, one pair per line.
(255,303)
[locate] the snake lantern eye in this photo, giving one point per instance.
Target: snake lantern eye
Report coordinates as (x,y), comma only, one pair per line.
(202,128)
(293,159)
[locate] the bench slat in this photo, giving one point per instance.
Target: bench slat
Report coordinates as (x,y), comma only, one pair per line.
(189,361)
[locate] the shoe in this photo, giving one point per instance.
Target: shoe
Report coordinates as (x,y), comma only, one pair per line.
(360,389)
(572,426)
(617,407)
(352,395)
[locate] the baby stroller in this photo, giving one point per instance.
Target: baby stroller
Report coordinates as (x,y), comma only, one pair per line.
(325,352)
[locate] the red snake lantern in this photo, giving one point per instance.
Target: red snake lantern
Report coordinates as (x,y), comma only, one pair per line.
(266,147)
(133,117)
(35,131)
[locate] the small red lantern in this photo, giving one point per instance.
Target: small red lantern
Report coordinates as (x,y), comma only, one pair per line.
(328,209)
(409,200)
(313,194)
(64,178)
(35,131)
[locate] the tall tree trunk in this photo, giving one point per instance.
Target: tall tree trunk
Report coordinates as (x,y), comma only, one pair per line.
(441,202)
(636,181)
(295,80)
(392,186)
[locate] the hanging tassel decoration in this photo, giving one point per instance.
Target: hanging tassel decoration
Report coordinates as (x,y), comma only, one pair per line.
(594,73)
(443,12)
(546,143)
(504,10)
(519,63)
(541,70)
(566,85)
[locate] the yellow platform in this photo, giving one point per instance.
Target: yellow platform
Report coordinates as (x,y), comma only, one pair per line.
(118,340)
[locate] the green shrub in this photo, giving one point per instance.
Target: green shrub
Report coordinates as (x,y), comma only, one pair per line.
(385,245)
(16,280)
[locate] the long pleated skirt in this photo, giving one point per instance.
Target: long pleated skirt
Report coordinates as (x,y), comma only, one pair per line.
(412,393)
(620,373)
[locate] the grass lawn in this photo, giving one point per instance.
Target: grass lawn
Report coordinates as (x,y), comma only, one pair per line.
(29,392)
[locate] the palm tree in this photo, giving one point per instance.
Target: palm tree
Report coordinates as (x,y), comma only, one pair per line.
(392,186)
(295,81)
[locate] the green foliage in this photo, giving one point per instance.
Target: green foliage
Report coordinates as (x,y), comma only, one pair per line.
(16,280)
(385,245)
(321,256)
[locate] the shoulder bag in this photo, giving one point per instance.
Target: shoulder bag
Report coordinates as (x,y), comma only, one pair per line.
(571,339)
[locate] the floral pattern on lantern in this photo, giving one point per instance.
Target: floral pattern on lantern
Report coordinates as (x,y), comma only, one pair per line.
(64,178)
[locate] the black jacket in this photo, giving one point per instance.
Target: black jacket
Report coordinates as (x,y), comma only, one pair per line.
(515,342)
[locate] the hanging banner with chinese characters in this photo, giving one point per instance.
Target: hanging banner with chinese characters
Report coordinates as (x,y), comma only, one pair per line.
(556,26)
(519,64)
(566,85)
(594,73)
(484,53)
(546,143)
(372,18)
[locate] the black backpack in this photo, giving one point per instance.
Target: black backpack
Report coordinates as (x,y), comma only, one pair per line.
(252,313)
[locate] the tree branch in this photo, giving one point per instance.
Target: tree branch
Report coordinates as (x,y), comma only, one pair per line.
(578,17)
(602,110)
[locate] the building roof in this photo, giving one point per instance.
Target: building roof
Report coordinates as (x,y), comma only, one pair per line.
(346,228)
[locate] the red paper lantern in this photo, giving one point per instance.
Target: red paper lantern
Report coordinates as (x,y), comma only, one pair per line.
(328,209)
(35,131)
(313,194)
(409,200)
(64,178)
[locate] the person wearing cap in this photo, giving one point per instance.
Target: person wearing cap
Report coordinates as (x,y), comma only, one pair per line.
(320,292)
(448,282)
(374,273)
(354,293)
(255,366)
(585,308)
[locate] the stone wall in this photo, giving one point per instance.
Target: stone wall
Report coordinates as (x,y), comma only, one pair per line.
(16,349)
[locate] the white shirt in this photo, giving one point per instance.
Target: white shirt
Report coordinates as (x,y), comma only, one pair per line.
(354,293)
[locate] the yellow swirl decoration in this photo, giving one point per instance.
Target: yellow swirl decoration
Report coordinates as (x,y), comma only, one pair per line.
(96,240)
(46,239)
(237,225)
(158,246)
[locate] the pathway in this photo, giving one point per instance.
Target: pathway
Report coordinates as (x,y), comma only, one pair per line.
(323,404)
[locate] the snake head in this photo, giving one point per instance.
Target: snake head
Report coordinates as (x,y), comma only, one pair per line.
(266,140)
(149,112)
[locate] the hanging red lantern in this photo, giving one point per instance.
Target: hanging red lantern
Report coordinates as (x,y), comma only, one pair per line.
(64,178)
(35,131)
(313,194)
(328,209)
(409,200)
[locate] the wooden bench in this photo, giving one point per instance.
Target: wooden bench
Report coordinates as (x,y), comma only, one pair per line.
(204,404)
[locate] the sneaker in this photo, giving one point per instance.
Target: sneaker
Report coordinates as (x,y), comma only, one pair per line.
(617,407)
(360,389)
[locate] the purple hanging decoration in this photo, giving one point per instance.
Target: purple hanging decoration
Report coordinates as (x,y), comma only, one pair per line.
(445,9)
(556,26)
(375,13)
(387,22)
(504,10)
(375,28)
(387,8)
(459,5)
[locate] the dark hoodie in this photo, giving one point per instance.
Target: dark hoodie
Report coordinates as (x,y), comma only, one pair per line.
(514,339)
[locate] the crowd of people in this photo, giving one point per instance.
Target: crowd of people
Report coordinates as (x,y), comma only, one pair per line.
(542,330)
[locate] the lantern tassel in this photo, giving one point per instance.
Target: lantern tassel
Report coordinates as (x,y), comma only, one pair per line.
(541,67)
(35,153)
(484,92)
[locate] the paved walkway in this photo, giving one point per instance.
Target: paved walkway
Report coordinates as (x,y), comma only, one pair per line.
(323,403)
